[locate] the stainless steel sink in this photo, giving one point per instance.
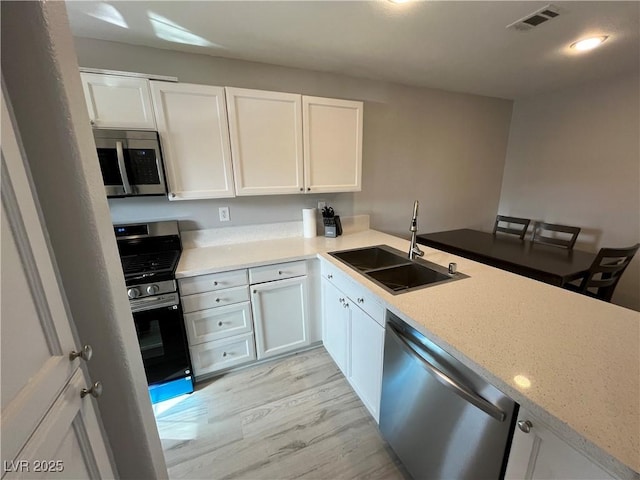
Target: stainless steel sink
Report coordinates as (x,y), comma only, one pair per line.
(393,271)
(371,258)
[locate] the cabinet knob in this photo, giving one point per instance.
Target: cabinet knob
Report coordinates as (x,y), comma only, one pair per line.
(215,284)
(95,390)
(255,291)
(308,189)
(341,300)
(360,300)
(525,425)
(86,353)
(224,354)
(345,305)
(302,189)
(217,300)
(219,324)
(92,122)
(173,195)
(329,276)
(279,272)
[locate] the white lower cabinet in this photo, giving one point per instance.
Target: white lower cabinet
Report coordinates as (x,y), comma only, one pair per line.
(353,334)
(335,325)
(218,320)
(280,308)
(539,454)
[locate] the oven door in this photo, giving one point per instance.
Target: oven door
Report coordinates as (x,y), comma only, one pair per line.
(162,341)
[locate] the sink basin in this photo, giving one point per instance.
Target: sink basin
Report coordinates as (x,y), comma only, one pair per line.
(406,277)
(393,271)
(370,258)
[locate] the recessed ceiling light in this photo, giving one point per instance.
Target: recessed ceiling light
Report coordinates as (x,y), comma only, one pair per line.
(399,1)
(588,43)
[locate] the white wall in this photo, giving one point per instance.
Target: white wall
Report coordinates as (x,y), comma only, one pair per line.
(40,69)
(574,158)
(445,149)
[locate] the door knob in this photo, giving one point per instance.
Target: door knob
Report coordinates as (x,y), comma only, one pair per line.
(95,390)
(525,425)
(86,353)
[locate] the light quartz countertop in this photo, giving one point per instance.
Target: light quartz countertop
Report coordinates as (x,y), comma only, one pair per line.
(580,355)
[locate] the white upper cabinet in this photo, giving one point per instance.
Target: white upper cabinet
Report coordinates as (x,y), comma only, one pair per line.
(192,124)
(266,141)
(332,144)
(118,102)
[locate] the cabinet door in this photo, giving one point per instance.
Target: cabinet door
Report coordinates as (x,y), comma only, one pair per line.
(192,123)
(118,102)
(365,359)
(332,145)
(540,454)
(335,324)
(266,141)
(280,311)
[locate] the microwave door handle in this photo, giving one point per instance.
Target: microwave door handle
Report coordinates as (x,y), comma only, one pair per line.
(122,167)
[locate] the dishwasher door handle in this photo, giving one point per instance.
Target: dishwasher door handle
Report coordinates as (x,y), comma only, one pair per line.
(462,391)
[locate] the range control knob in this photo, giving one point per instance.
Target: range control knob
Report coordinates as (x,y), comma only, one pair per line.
(152,289)
(133,293)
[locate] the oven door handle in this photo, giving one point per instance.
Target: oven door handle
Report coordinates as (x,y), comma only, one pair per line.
(154,303)
(123,168)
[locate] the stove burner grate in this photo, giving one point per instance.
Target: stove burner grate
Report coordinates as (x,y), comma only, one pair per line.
(149,263)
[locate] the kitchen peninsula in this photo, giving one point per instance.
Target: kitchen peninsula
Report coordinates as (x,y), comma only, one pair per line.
(570,360)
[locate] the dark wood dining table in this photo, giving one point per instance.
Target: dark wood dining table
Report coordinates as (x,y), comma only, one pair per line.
(546,263)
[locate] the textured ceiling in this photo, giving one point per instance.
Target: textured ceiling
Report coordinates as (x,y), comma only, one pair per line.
(458,46)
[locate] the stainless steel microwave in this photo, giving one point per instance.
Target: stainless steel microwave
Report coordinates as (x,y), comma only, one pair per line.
(131,162)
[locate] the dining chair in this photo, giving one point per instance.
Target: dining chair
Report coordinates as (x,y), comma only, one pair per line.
(561,235)
(509,221)
(605,272)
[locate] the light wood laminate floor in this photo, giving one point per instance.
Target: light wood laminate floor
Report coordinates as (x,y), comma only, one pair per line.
(295,417)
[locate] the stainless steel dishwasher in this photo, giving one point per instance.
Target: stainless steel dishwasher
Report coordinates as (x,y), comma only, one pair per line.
(440,418)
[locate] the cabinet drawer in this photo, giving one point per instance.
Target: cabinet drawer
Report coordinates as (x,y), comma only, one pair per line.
(357,294)
(217,323)
(279,271)
(213,281)
(219,298)
(220,354)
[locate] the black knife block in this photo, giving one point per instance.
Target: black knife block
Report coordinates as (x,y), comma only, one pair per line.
(332,226)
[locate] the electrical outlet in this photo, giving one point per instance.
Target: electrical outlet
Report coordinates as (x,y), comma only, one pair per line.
(321,204)
(224,214)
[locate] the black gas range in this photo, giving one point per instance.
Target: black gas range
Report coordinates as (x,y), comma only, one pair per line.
(149,253)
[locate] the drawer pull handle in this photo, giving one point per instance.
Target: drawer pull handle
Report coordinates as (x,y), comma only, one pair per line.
(329,276)
(219,324)
(361,300)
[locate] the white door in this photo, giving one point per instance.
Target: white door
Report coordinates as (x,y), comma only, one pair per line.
(44,419)
(365,357)
(266,141)
(280,311)
(335,324)
(192,124)
(332,144)
(118,102)
(537,454)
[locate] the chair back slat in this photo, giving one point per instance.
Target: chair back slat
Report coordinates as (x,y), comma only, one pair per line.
(606,270)
(509,229)
(539,237)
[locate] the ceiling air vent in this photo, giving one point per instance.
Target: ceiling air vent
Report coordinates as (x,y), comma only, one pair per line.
(536,18)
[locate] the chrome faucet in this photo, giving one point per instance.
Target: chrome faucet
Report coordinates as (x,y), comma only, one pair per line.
(413,248)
